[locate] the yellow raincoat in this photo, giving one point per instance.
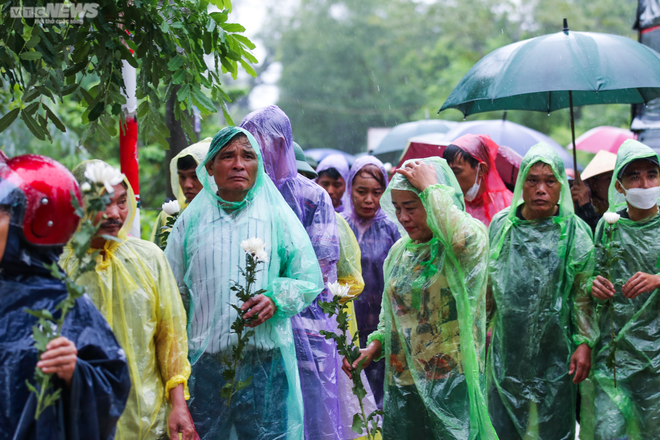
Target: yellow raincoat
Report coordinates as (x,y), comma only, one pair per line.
(198,153)
(134,288)
(349,266)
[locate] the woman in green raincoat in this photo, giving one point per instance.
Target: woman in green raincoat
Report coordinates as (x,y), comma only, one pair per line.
(629,407)
(432,322)
(541,260)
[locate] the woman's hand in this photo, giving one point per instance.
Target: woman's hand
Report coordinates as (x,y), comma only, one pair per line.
(366,356)
(419,174)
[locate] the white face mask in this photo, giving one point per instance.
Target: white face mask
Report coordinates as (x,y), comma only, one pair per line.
(642,198)
(472,192)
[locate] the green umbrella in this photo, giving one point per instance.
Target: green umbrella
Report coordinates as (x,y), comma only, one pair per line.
(557,71)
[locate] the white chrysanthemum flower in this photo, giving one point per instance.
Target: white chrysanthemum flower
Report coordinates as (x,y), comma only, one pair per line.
(339,290)
(172,207)
(85,187)
(104,174)
(261,255)
(254,246)
(611,217)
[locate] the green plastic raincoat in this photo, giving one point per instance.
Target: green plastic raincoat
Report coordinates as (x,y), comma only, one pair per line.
(198,153)
(206,257)
(133,287)
(539,274)
(432,321)
(632,408)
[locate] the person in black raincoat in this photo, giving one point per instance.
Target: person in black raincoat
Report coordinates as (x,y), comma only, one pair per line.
(87,363)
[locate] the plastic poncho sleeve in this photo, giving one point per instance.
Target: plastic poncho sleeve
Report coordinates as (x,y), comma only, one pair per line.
(171,341)
(583,315)
(349,266)
(448,222)
(381,333)
(299,284)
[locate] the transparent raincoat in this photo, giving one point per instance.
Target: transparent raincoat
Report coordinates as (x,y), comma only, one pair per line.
(631,409)
(133,287)
(338,162)
(318,360)
(433,318)
(198,153)
(205,254)
(375,237)
(539,275)
(495,196)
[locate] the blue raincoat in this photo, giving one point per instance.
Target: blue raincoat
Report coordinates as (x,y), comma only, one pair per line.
(90,408)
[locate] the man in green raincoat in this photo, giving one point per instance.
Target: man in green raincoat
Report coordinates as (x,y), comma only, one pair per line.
(431,328)
(543,319)
(184,181)
(628,404)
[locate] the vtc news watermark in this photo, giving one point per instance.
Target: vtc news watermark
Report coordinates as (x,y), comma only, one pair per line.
(57,12)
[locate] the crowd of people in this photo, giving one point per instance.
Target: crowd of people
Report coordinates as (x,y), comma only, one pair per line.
(482,313)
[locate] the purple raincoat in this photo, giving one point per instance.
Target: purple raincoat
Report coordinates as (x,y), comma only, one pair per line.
(318,361)
(375,236)
(338,162)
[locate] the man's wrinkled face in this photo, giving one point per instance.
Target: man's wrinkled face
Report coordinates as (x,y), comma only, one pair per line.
(541,190)
(334,187)
(411,214)
(234,169)
(115,213)
(639,174)
(189,183)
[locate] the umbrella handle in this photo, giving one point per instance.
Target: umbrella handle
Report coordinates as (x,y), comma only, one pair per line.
(575,168)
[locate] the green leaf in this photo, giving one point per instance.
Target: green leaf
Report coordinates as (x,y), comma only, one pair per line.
(54,119)
(245,40)
(175,63)
(71,71)
(203,101)
(32,125)
(248,68)
(96,111)
(8,119)
(31,56)
(34,40)
(243,383)
(358,424)
(183,93)
(232,27)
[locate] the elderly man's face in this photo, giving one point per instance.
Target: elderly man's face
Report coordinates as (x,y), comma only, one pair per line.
(541,191)
(234,169)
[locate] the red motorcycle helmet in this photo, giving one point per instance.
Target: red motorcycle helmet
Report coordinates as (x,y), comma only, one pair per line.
(37,190)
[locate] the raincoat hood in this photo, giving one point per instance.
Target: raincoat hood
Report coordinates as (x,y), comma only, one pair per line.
(543,153)
(198,152)
(271,127)
(629,151)
(338,162)
(484,149)
(444,175)
(355,170)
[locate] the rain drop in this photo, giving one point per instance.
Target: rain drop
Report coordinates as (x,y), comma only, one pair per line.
(378,87)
